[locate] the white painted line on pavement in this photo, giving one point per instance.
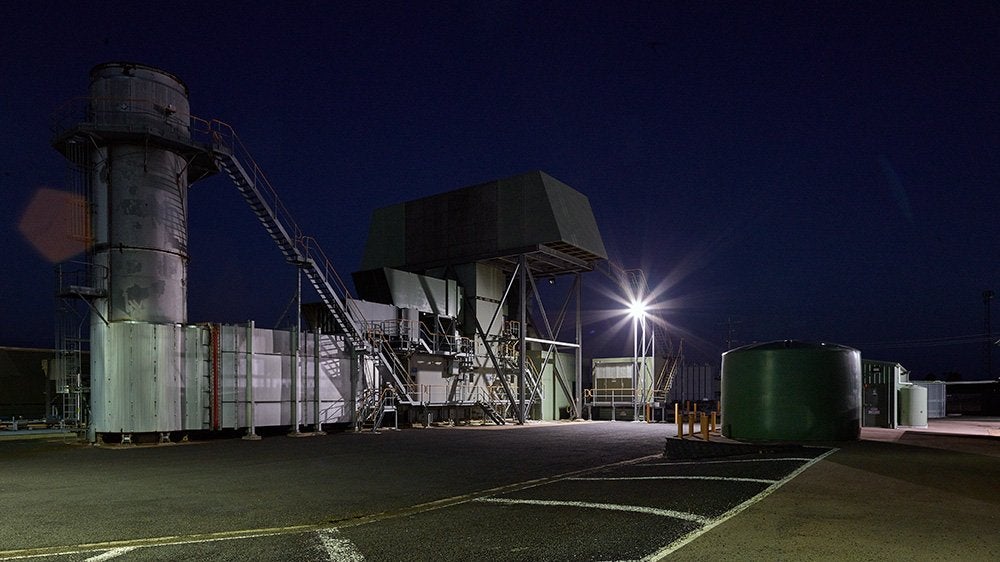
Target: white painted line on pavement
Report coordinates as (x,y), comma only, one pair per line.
(338,549)
(113,553)
(799,459)
(609,506)
(156,541)
(674,546)
(724,478)
(173,540)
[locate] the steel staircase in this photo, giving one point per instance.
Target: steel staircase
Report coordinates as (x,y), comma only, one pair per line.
(372,407)
(491,412)
(304,252)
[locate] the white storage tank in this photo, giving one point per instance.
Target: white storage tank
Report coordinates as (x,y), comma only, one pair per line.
(913,405)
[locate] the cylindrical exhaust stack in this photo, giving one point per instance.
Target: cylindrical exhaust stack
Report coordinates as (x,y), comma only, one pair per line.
(140,191)
(135,141)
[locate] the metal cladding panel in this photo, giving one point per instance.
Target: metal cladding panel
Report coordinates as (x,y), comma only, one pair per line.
(335,396)
(272,378)
(141,193)
(490,220)
(491,282)
(232,373)
(429,370)
(791,391)
(612,368)
(621,368)
(329,345)
(452,227)
(142,379)
(101,385)
(573,217)
(145,221)
(386,244)
(695,382)
(553,399)
(536,208)
(148,199)
(269,414)
(196,391)
(937,397)
(410,290)
(139,97)
(281,342)
(372,311)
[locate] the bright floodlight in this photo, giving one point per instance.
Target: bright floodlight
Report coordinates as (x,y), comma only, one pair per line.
(637,309)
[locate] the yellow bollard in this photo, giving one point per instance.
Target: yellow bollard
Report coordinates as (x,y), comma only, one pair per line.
(691,417)
(713,422)
(704,426)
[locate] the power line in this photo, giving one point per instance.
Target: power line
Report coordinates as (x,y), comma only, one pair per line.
(928,342)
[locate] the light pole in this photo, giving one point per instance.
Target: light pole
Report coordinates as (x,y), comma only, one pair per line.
(637,310)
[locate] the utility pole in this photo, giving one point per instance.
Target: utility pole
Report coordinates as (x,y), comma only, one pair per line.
(988,348)
(730,331)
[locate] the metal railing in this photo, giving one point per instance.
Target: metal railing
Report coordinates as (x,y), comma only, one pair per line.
(73,277)
(623,396)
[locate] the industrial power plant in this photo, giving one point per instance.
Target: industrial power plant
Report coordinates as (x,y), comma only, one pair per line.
(447,324)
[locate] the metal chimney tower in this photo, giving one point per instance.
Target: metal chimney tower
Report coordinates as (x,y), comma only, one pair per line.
(134,141)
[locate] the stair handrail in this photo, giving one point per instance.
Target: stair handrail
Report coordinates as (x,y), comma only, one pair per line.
(223,136)
(308,252)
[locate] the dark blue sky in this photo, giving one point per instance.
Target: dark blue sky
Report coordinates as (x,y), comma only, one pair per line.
(813,170)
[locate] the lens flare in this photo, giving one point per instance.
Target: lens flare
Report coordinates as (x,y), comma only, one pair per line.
(56,224)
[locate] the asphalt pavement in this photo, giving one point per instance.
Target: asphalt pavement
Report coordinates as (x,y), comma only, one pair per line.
(561,491)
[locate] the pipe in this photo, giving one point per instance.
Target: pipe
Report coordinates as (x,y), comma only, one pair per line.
(317,424)
(252,430)
(216,395)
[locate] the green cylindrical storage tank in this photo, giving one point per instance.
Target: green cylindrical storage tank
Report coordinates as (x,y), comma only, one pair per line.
(791,391)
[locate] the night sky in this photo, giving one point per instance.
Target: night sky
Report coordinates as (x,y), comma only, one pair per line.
(805,170)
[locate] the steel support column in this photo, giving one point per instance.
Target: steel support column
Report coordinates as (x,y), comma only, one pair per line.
(579,348)
(295,353)
(522,314)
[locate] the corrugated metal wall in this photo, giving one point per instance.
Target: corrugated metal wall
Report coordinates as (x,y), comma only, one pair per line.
(696,382)
(274,364)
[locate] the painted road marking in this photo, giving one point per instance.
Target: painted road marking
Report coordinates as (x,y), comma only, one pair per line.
(170,540)
(113,553)
(725,478)
(338,549)
(173,540)
(674,546)
(609,506)
(800,459)
(327,531)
